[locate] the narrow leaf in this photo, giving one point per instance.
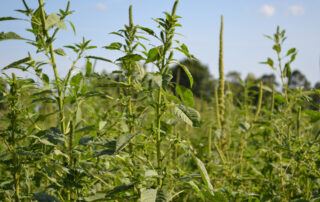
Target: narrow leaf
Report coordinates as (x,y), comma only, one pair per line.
(290,51)
(204,173)
(9,36)
(9,18)
(17,63)
(73,27)
(196,188)
(114,46)
(186,70)
(149,31)
(99,58)
(148,195)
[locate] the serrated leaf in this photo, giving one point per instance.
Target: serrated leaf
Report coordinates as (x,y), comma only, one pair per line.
(52,20)
(162,196)
(61,25)
(188,115)
(148,195)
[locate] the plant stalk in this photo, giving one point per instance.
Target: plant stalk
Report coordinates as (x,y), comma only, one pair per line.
(221,76)
(55,70)
(259,101)
(159,181)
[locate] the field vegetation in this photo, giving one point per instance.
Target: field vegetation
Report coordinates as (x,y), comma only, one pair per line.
(137,135)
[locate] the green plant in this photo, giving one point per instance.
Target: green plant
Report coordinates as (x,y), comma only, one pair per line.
(285,70)
(136,135)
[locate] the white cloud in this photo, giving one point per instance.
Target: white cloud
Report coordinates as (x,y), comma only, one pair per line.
(101,6)
(296,10)
(267,10)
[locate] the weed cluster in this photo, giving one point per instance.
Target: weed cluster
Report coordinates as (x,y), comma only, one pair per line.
(135,135)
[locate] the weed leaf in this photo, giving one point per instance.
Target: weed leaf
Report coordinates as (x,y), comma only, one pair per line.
(187,114)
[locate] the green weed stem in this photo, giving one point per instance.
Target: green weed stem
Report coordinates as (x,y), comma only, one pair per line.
(209,141)
(259,101)
(217,108)
(55,70)
(13,126)
(272,99)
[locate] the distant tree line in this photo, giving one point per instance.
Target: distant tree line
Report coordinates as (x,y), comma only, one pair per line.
(205,83)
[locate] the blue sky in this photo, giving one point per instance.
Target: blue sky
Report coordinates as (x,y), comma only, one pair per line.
(246,21)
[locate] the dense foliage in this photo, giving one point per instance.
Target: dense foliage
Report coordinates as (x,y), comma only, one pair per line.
(134,135)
